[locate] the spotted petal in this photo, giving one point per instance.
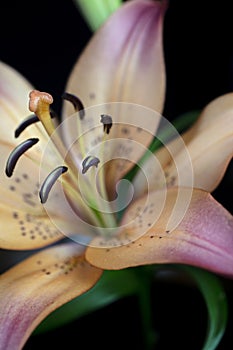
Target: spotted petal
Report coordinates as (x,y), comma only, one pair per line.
(209,144)
(24,222)
(203,236)
(34,288)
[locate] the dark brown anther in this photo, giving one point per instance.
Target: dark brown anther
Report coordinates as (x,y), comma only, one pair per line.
(16,154)
(89,162)
(107,122)
(25,123)
(78,106)
(31,119)
(50,181)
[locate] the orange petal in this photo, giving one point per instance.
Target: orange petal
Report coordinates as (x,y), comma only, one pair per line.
(37,286)
(203,235)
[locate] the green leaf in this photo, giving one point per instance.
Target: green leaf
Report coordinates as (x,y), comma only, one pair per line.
(96,12)
(216,302)
(112,286)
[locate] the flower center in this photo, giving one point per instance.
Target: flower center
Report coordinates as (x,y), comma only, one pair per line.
(83,182)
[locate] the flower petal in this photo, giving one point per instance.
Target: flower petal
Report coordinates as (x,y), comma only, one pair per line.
(130,71)
(203,238)
(210,146)
(37,286)
(133,128)
(209,143)
(14,97)
(124,60)
(25,222)
(14,90)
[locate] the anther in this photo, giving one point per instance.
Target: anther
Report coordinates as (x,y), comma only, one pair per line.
(107,122)
(78,106)
(16,153)
(25,123)
(89,162)
(31,119)
(49,182)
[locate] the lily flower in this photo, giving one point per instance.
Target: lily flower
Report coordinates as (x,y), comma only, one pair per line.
(60,180)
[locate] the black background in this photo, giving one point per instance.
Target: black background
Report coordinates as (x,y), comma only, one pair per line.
(42,40)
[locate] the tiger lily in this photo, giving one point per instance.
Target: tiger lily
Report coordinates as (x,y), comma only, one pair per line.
(58,180)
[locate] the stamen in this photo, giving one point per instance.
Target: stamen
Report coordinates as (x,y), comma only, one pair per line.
(16,153)
(39,103)
(78,106)
(107,122)
(49,182)
(88,162)
(31,119)
(25,123)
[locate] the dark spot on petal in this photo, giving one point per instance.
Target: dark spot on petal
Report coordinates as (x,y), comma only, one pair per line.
(92,95)
(125,131)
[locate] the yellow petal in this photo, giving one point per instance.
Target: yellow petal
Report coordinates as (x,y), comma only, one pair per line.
(209,144)
(203,236)
(37,286)
(124,60)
